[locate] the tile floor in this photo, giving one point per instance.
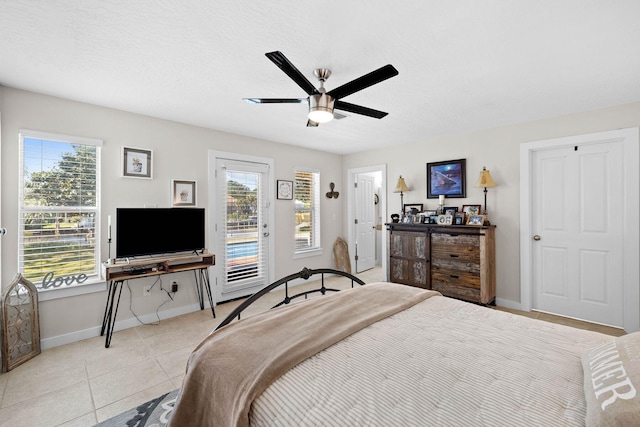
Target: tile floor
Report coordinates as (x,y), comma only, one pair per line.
(83,383)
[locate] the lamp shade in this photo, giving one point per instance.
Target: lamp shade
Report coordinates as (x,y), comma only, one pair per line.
(401,186)
(485,179)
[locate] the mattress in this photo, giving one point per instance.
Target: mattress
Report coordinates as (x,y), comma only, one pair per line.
(442,362)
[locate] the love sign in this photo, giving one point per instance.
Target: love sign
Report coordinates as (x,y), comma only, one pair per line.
(50,282)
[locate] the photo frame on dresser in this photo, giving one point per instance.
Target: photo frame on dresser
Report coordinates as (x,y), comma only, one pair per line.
(450,210)
(476,220)
(472,209)
(408,208)
(459,218)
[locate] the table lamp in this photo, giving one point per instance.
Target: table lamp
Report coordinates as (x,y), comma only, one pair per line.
(401,187)
(485,181)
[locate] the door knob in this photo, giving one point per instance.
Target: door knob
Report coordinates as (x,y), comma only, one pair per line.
(536,237)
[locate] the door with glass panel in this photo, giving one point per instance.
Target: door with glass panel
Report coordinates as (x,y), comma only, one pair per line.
(242,226)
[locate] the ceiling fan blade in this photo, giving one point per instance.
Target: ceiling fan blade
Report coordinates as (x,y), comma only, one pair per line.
(312,124)
(290,70)
(275,100)
(358,109)
(377,76)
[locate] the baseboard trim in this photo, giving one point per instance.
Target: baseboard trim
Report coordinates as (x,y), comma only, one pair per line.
(84,334)
(508,304)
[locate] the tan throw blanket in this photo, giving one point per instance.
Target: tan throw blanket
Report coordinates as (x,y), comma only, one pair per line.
(234,365)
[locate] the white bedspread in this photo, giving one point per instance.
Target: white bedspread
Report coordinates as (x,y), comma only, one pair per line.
(440,363)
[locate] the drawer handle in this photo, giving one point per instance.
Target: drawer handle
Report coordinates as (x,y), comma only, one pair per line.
(454,255)
(455,277)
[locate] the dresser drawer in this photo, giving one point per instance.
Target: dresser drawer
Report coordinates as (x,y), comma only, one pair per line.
(454,278)
(461,292)
(464,248)
(455,265)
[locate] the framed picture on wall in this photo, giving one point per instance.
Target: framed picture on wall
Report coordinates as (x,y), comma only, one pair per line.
(446,178)
(284,189)
(137,163)
(183,193)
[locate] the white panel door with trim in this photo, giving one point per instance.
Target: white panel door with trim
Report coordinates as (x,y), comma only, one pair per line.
(242,222)
(366,223)
(577,246)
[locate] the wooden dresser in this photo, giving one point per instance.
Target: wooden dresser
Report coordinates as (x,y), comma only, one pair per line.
(457,261)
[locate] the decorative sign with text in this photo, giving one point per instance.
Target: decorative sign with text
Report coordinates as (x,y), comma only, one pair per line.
(49,281)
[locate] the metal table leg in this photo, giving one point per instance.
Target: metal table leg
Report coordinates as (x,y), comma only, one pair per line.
(109,319)
(202,284)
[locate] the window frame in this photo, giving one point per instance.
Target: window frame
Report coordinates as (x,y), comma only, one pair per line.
(94,282)
(316,245)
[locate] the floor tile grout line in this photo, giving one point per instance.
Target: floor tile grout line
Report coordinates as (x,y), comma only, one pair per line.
(140,340)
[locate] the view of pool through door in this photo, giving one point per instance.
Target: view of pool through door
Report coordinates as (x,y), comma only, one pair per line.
(242,226)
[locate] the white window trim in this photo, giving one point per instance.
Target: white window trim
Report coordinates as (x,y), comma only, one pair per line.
(96,283)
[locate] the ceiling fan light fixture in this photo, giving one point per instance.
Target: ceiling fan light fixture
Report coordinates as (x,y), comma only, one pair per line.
(321,108)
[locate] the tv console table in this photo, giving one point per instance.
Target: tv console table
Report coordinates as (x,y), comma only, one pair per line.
(117,273)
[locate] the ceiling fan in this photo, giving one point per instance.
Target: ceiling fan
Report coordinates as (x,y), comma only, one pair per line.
(322,103)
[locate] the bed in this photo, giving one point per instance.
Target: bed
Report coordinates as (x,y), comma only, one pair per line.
(393,355)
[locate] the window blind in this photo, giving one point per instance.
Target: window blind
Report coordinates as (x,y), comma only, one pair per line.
(59,200)
(246,246)
(307,210)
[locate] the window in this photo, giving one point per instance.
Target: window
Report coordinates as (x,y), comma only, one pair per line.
(307,211)
(59,204)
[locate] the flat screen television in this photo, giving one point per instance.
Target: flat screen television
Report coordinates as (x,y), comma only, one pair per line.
(155,231)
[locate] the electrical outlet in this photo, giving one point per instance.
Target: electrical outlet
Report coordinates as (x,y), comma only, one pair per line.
(147,290)
(174,287)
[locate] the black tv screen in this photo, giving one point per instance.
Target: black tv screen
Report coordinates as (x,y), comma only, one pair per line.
(154,231)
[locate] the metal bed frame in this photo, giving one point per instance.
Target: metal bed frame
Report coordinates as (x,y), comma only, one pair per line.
(305,273)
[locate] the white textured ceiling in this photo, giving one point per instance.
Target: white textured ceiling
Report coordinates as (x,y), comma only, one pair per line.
(464,65)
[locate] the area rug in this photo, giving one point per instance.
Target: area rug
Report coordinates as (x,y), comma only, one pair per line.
(155,412)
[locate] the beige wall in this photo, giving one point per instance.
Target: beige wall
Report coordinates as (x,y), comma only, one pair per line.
(498,150)
(179,151)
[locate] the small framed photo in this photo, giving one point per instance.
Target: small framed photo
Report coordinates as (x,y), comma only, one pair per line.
(459,218)
(433,219)
(409,208)
(450,210)
(471,209)
(183,193)
(446,178)
(445,219)
(426,219)
(476,220)
(284,190)
(137,163)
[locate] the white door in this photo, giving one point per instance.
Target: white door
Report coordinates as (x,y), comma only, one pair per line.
(577,242)
(365,223)
(242,227)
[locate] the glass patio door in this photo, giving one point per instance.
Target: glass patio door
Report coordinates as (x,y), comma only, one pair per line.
(243,215)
